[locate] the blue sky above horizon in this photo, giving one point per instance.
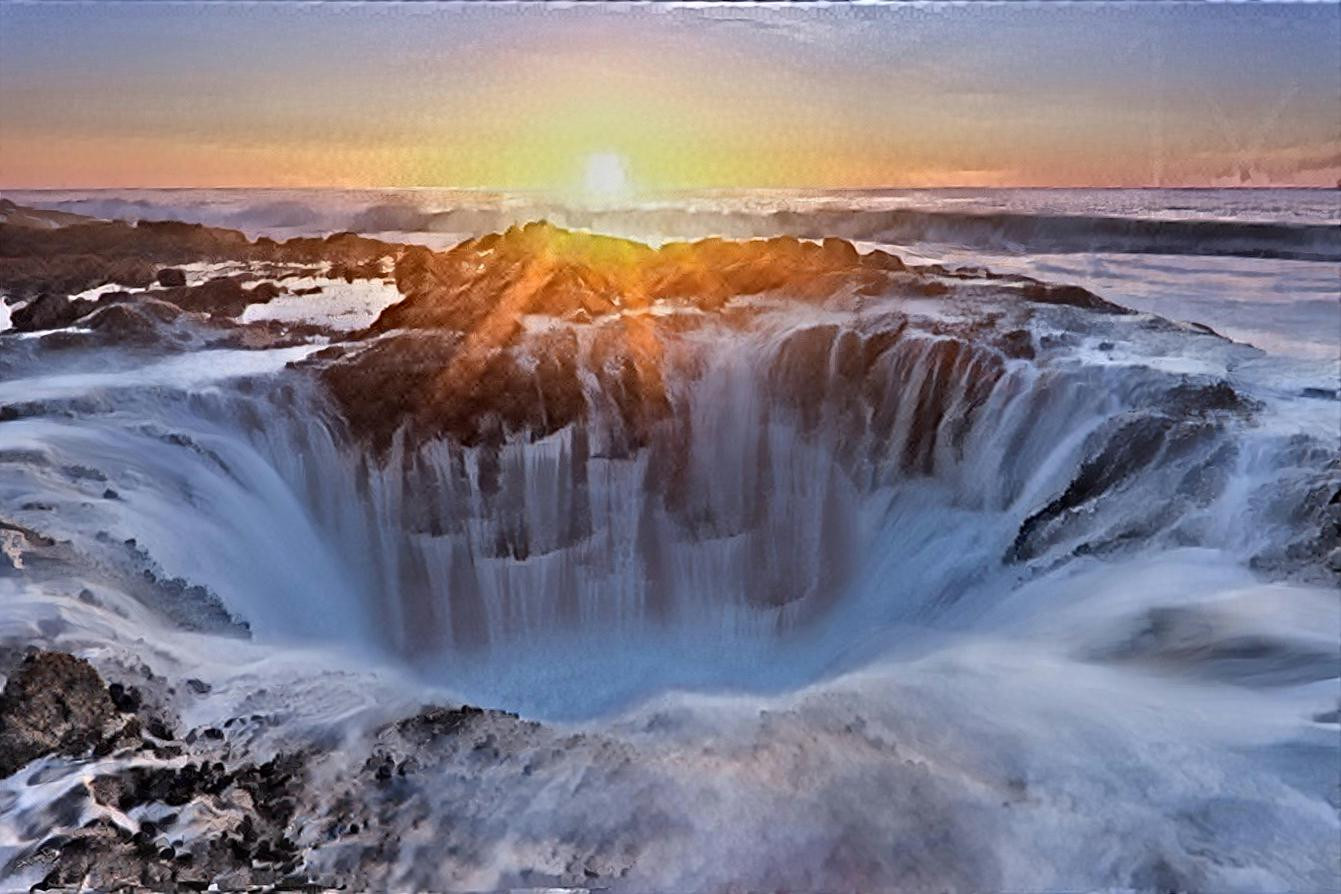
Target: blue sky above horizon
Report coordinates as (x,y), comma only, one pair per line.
(366,94)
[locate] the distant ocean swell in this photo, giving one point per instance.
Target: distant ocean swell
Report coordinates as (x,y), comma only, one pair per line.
(992,231)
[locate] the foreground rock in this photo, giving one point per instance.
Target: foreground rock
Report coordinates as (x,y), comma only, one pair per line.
(57,703)
(53,703)
(175,810)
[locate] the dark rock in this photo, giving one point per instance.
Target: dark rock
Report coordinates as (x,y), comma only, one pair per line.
(1017,343)
(465,368)
(171,277)
(49,311)
(434,721)
(1125,455)
(54,702)
(126,699)
(370,269)
(159,729)
(1075,296)
(221,296)
(264,292)
(17,215)
(127,323)
(24,273)
(107,790)
(1199,399)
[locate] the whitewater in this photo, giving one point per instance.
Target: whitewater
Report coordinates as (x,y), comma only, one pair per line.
(1063,618)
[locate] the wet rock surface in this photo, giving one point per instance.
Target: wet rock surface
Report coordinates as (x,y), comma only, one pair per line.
(168,304)
(184,811)
(52,703)
(86,253)
(457,357)
(48,311)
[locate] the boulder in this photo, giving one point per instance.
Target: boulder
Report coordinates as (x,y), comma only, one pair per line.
(49,311)
(53,703)
(264,292)
(171,277)
(125,323)
(221,297)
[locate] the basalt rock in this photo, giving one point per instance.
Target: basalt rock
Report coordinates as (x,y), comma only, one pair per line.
(251,806)
(463,356)
(131,323)
(264,292)
(542,269)
(49,311)
(348,249)
(88,253)
(53,703)
(463,363)
(66,274)
(222,296)
(1075,296)
(436,384)
(171,277)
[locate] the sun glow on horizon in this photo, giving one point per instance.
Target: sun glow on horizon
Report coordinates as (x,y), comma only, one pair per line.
(605,178)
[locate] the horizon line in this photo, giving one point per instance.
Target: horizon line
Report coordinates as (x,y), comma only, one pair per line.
(672,191)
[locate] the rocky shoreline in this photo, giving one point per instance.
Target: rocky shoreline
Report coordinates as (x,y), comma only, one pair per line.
(162,807)
(652,497)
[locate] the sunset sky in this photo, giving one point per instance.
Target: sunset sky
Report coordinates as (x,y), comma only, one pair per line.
(391,94)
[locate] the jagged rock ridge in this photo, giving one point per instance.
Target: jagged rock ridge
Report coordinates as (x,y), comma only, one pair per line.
(459,356)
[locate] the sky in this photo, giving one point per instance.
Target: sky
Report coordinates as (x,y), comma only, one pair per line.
(168,94)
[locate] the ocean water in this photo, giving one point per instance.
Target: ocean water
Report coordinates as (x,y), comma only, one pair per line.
(1145,702)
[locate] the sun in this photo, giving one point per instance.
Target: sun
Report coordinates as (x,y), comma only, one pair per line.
(605,178)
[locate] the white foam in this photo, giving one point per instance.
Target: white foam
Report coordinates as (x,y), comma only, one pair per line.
(340,305)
